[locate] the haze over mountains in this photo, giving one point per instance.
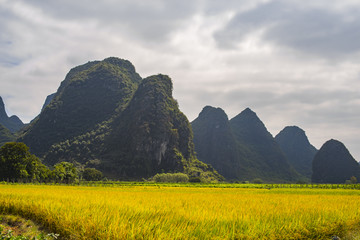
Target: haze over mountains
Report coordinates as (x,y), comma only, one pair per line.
(105,116)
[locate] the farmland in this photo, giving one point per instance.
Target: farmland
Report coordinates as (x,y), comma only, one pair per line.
(186,212)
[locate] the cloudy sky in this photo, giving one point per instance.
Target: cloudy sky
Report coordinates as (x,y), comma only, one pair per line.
(293,62)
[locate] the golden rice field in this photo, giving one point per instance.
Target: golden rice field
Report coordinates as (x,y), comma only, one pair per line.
(152,212)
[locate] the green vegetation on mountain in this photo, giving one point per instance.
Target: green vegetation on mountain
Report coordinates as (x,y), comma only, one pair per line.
(104,116)
(12,123)
(5,135)
(240,149)
(297,148)
(333,163)
(151,135)
(89,95)
(48,99)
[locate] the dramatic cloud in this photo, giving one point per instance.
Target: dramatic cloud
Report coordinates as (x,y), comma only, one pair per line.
(318,31)
(293,62)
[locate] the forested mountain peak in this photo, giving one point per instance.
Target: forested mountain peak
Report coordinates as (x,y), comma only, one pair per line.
(248,127)
(90,94)
(293,132)
(216,114)
(333,163)
(297,148)
(249,118)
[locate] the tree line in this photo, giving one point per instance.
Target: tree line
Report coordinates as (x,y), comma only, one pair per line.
(17,164)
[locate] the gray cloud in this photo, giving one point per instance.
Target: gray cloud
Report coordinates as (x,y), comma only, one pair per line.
(317,31)
(149,22)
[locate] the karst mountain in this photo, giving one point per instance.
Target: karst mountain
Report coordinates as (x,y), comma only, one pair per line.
(104,115)
(297,148)
(333,163)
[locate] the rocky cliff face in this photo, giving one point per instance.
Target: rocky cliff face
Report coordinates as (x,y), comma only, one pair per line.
(12,123)
(151,133)
(333,163)
(297,148)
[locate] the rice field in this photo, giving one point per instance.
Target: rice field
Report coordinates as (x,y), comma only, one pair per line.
(165,212)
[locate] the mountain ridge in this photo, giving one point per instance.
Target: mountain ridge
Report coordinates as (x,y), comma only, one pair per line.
(239,148)
(13,123)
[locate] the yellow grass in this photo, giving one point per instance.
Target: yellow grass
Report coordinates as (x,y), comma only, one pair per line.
(150,212)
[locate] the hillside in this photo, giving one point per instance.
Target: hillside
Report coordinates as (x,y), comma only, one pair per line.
(240,149)
(5,135)
(297,148)
(12,123)
(333,163)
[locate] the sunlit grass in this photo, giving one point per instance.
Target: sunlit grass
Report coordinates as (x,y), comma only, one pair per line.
(153,212)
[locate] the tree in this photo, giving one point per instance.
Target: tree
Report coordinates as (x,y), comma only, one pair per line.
(17,164)
(91,174)
(64,172)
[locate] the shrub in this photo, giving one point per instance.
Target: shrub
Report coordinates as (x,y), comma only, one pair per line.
(91,174)
(258,181)
(195,179)
(171,177)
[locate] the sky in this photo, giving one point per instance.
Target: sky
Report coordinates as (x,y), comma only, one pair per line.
(293,62)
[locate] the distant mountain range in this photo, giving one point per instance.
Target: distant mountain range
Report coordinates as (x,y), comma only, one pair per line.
(105,116)
(240,149)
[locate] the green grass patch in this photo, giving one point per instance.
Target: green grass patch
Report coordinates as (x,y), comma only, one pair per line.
(17,228)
